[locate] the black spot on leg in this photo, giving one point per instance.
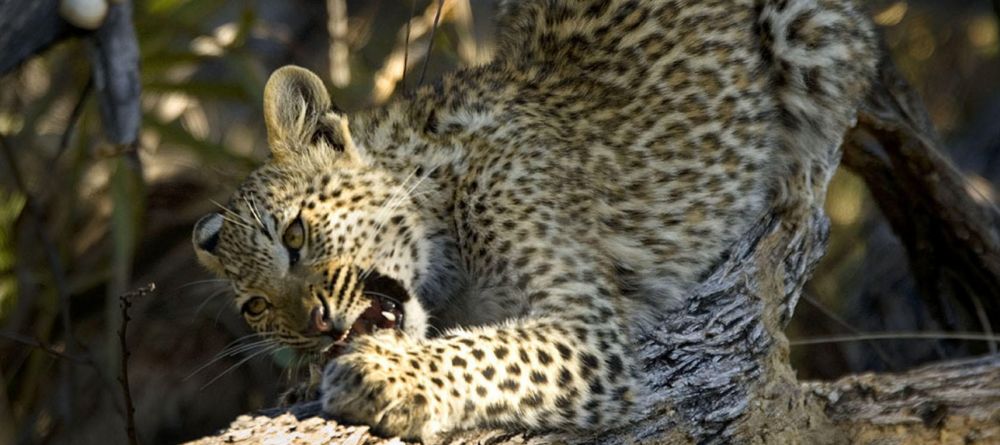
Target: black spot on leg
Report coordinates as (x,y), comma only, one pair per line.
(565,377)
(544,358)
(514,369)
(564,402)
(596,387)
(459,362)
(509,385)
(538,377)
(533,400)
(564,351)
(496,409)
(489,372)
(615,366)
(500,352)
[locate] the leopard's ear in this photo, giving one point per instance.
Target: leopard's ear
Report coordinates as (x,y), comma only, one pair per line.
(298,114)
(206,240)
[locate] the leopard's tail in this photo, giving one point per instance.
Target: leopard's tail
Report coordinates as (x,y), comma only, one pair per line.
(821,56)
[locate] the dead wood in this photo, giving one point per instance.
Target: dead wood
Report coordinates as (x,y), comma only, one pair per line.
(951,239)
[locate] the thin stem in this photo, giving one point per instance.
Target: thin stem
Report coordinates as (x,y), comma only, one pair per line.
(51,254)
(406,47)
(971,336)
(125,302)
(74,117)
(843,323)
(36,343)
(430,43)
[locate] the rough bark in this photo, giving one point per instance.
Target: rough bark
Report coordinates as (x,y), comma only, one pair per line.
(719,367)
(29,27)
(955,402)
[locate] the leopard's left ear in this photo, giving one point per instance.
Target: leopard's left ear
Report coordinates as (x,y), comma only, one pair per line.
(205,238)
(299,114)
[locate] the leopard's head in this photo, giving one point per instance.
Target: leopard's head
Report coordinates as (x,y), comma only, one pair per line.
(319,243)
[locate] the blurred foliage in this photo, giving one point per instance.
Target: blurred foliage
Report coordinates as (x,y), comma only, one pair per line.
(120,217)
(10,207)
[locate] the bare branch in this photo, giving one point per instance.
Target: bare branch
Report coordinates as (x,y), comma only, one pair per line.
(124,303)
(418,28)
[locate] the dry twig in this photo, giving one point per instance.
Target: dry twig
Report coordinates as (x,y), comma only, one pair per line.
(74,117)
(125,302)
(417,28)
(430,42)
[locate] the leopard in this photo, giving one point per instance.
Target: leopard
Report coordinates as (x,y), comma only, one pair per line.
(481,251)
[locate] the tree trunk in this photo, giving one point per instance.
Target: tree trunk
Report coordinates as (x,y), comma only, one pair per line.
(720,367)
(29,27)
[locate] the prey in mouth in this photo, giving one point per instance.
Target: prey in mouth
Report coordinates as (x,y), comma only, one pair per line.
(384,296)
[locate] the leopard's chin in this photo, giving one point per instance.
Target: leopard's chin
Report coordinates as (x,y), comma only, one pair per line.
(385,312)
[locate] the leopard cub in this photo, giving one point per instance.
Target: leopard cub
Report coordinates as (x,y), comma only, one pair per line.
(480,252)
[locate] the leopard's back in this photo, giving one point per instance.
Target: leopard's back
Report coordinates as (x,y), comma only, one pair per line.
(658,131)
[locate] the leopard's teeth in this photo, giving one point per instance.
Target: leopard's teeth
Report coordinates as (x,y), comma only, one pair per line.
(389,316)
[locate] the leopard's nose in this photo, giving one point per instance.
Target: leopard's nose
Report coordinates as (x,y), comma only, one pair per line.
(319,322)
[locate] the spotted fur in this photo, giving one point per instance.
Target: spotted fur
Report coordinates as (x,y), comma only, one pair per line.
(539,207)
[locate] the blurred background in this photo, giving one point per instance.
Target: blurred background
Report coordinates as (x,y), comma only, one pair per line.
(83,221)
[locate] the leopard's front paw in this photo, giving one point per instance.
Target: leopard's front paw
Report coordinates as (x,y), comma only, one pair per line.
(303,392)
(375,383)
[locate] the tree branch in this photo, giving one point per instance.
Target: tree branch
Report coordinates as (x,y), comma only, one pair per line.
(951,240)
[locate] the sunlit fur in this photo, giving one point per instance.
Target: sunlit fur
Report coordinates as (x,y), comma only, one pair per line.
(539,207)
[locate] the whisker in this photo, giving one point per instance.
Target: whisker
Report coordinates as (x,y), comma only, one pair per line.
(272,348)
(209,299)
(232,221)
(228,215)
(219,314)
(198,282)
(230,211)
(230,351)
(253,210)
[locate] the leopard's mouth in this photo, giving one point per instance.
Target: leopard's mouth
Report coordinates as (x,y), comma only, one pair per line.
(387,296)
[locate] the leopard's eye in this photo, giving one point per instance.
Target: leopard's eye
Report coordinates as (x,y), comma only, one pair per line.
(255,306)
(295,235)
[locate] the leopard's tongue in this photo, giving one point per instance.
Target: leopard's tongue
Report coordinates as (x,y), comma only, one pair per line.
(377,316)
